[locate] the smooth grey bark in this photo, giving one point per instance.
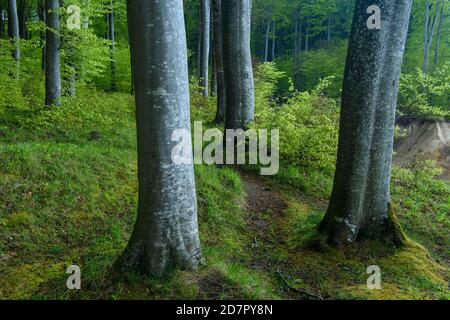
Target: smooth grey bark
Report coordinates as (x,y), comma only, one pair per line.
(359,205)
(13,21)
(52,54)
(298,50)
(266,45)
(112,46)
(429,31)
(2,23)
(21,12)
(41,13)
(165,235)
(131,48)
(212,59)
(443,16)
(274,33)
(238,70)
(218,59)
(329,30)
(307,37)
(205,45)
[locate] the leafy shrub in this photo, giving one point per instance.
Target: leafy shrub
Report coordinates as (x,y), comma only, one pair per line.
(308,124)
(425,96)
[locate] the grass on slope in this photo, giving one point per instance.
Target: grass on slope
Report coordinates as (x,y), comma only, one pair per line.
(68,194)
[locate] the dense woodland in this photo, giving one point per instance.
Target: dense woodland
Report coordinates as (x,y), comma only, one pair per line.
(91,93)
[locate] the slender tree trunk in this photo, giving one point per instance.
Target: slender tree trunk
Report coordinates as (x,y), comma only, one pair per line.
(329,30)
(296,40)
(112,47)
(204,60)
(166,232)
(199,43)
(218,58)
(444,12)
(307,37)
(13,21)
(429,33)
(266,46)
(131,49)
(21,11)
(360,203)
(274,39)
(2,24)
(41,11)
(299,55)
(212,60)
(52,56)
(240,100)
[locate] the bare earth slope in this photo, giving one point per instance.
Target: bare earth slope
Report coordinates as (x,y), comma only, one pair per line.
(429,140)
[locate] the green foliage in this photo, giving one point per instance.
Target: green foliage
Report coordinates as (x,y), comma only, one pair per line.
(91,109)
(425,205)
(267,80)
(425,96)
(308,122)
(321,63)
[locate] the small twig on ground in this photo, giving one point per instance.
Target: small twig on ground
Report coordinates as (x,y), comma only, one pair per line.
(316,296)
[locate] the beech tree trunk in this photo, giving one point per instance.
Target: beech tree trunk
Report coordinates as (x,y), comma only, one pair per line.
(131,48)
(274,39)
(429,30)
(52,56)
(205,44)
(41,12)
(240,100)
(112,46)
(13,21)
(266,46)
(2,23)
(360,202)
(22,15)
(443,16)
(165,235)
(218,58)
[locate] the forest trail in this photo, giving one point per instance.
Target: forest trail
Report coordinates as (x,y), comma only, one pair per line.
(266,207)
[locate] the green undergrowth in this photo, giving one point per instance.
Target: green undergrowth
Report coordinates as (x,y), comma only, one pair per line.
(68,195)
(324,272)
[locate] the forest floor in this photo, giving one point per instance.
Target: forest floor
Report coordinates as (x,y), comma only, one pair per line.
(68,195)
(285,244)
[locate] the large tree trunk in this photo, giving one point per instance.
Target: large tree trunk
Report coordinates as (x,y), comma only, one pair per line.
(240,99)
(166,232)
(52,56)
(359,205)
(112,46)
(13,21)
(218,58)
(205,44)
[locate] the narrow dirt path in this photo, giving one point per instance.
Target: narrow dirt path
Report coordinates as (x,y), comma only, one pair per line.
(266,208)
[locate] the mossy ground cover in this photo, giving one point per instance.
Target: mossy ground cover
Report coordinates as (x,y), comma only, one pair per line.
(68,195)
